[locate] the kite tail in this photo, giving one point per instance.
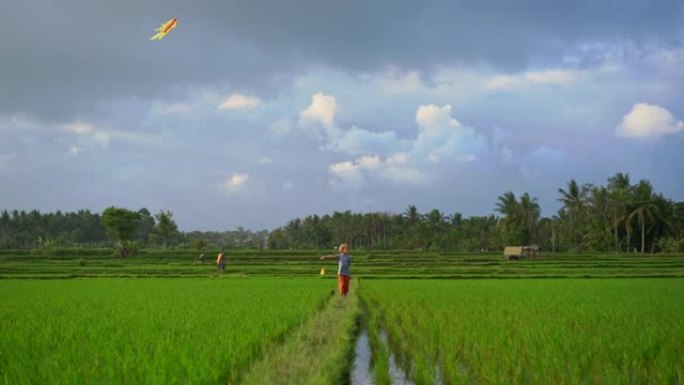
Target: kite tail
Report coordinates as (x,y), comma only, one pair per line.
(158,36)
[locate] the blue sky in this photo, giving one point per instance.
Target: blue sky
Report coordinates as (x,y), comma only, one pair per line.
(251,113)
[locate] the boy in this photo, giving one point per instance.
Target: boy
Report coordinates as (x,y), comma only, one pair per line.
(344,262)
(221,263)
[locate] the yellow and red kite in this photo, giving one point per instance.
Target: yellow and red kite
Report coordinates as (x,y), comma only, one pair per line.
(164,29)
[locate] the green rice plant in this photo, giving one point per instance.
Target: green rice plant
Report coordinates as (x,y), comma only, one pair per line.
(379,349)
(572,331)
(317,353)
(388,264)
(151,331)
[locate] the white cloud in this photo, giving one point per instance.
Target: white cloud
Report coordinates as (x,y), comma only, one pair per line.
(236,182)
(369,162)
(648,121)
(89,132)
(171,108)
(73,150)
(406,175)
(502,83)
(359,141)
(80,128)
(431,116)
(353,174)
(239,101)
(348,176)
(552,77)
(398,82)
(549,77)
(441,138)
(666,59)
(398,159)
(20,121)
(265,161)
(321,112)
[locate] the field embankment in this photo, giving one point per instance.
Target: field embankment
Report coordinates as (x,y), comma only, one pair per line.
(78,263)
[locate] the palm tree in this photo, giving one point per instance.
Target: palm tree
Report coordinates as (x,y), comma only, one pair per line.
(507,204)
(529,214)
(600,203)
(455,219)
(412,226)
(644,208)
(574,200)
(510,225)
(412,215)
(619,188)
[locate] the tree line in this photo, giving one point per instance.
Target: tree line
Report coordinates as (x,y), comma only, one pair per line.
(616,217)
(125,229)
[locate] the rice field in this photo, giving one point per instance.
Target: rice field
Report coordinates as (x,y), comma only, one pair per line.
(84,263)
(146,331)
(573,331)
(431,318)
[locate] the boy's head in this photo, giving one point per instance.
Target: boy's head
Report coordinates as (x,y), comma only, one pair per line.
(344,248)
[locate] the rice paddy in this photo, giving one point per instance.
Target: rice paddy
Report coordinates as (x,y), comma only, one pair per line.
(431,318)
(151,331)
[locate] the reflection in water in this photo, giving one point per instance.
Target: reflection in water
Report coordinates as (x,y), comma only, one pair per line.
(361,373)
(396,373)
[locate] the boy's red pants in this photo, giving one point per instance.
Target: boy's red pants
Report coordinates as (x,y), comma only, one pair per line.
(343,283)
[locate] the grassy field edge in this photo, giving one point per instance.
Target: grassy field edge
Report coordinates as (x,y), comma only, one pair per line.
(314,353)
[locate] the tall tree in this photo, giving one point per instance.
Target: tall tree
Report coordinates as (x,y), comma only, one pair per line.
(619,189)
(644,209)
(145,225)
(574,200)
(120,225)
(511,225)
(529,215)
(166,227)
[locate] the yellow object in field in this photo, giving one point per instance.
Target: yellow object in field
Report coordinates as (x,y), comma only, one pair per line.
(323,271)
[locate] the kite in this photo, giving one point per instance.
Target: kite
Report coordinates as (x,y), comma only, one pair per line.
(164,29)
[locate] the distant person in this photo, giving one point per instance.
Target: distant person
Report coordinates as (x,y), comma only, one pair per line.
(344,262)
(221,263)
(200,259)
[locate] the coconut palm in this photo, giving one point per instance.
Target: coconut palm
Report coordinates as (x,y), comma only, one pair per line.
(644,209)
(512,223)
(619,189)
(529,214)
(574,200)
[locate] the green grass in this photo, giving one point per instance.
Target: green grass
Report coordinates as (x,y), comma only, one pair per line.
(443,314)
(398,264)
(318,353)
(149,331)
(572,331)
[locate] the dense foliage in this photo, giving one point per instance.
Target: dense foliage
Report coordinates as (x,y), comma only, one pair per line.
(616,217)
